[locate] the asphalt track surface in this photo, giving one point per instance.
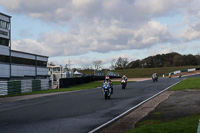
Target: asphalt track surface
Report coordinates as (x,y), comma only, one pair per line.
(75,112)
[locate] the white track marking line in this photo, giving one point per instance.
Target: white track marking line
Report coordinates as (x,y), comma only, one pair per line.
(96,129)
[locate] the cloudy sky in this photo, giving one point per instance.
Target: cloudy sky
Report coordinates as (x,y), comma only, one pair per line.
(81,31)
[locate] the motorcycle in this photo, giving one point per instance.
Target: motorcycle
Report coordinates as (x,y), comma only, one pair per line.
(123,82)
(106,89)
(155,78)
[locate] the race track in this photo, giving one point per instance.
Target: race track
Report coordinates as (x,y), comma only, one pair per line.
(75,112)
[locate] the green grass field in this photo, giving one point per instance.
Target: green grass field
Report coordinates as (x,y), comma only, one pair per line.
(189,83)
(144,72)
(183,125)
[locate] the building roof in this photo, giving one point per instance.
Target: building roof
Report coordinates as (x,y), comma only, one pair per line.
(77,73)
(5,15)
(29,53)
(53,66)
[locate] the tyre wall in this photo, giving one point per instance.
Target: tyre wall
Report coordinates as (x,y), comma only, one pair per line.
(22,86)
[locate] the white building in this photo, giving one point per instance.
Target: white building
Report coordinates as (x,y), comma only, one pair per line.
(17,64)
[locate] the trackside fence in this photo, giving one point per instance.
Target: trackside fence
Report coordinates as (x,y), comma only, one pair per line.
(22,86)
(180,71)
(68,82)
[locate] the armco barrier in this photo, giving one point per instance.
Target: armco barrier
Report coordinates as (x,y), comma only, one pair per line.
(187,70)
(68,82)
(14,87)
(22,86)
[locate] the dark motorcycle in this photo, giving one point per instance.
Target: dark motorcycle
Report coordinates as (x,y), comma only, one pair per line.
(106,89)
(155,77)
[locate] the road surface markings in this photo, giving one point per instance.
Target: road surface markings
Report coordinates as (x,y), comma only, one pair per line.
(126,112)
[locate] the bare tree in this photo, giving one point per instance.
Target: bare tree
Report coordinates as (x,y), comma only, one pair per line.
(86,67)
(98,64)
(121,63)
(113,64)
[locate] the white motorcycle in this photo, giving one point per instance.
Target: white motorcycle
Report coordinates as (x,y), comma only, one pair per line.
(123,82)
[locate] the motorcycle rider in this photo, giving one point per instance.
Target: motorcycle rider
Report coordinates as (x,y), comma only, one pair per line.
(124,78)
(155,77)
(107,79)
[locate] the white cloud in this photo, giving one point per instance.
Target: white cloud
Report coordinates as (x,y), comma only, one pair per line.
(96,37)
(64,11)
(105,25)
(32,46)
(10,7)
(192,32)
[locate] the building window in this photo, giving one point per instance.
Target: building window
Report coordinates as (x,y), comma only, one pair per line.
(4,25)
(4,58)
(4,42)
(17,60)
(42,63)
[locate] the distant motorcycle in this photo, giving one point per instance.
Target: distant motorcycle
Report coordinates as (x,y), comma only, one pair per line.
(123,82)
(155,77)
(106,89)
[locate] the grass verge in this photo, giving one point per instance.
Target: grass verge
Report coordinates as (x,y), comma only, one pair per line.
(182,125)
(189,83)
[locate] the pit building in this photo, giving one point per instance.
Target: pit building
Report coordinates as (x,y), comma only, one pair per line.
(18,65)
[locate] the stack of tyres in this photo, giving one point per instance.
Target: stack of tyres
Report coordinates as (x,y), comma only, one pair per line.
(3,88)
(14,87)
(26,86)
(36,85)
(44,84)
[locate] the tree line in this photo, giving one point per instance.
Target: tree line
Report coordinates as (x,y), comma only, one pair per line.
(120,63)
(160,60)
(166,60)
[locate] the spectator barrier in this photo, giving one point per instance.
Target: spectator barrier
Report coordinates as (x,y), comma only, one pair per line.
(180,71)
(22,86)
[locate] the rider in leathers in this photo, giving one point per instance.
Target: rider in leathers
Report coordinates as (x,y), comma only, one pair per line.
(107,79)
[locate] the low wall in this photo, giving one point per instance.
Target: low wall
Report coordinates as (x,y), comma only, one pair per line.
(68,82)
(22,86)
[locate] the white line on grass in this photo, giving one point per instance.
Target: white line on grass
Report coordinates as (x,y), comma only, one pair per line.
(96,129)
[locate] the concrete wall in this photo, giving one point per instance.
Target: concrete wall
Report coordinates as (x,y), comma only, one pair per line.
(42,58)
(22,70)
(4,50)
(4,18)
(5,70)
(22,55)
(42,71)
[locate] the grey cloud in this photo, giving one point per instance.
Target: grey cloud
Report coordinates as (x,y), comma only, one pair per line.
(100,25)
(62,11)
